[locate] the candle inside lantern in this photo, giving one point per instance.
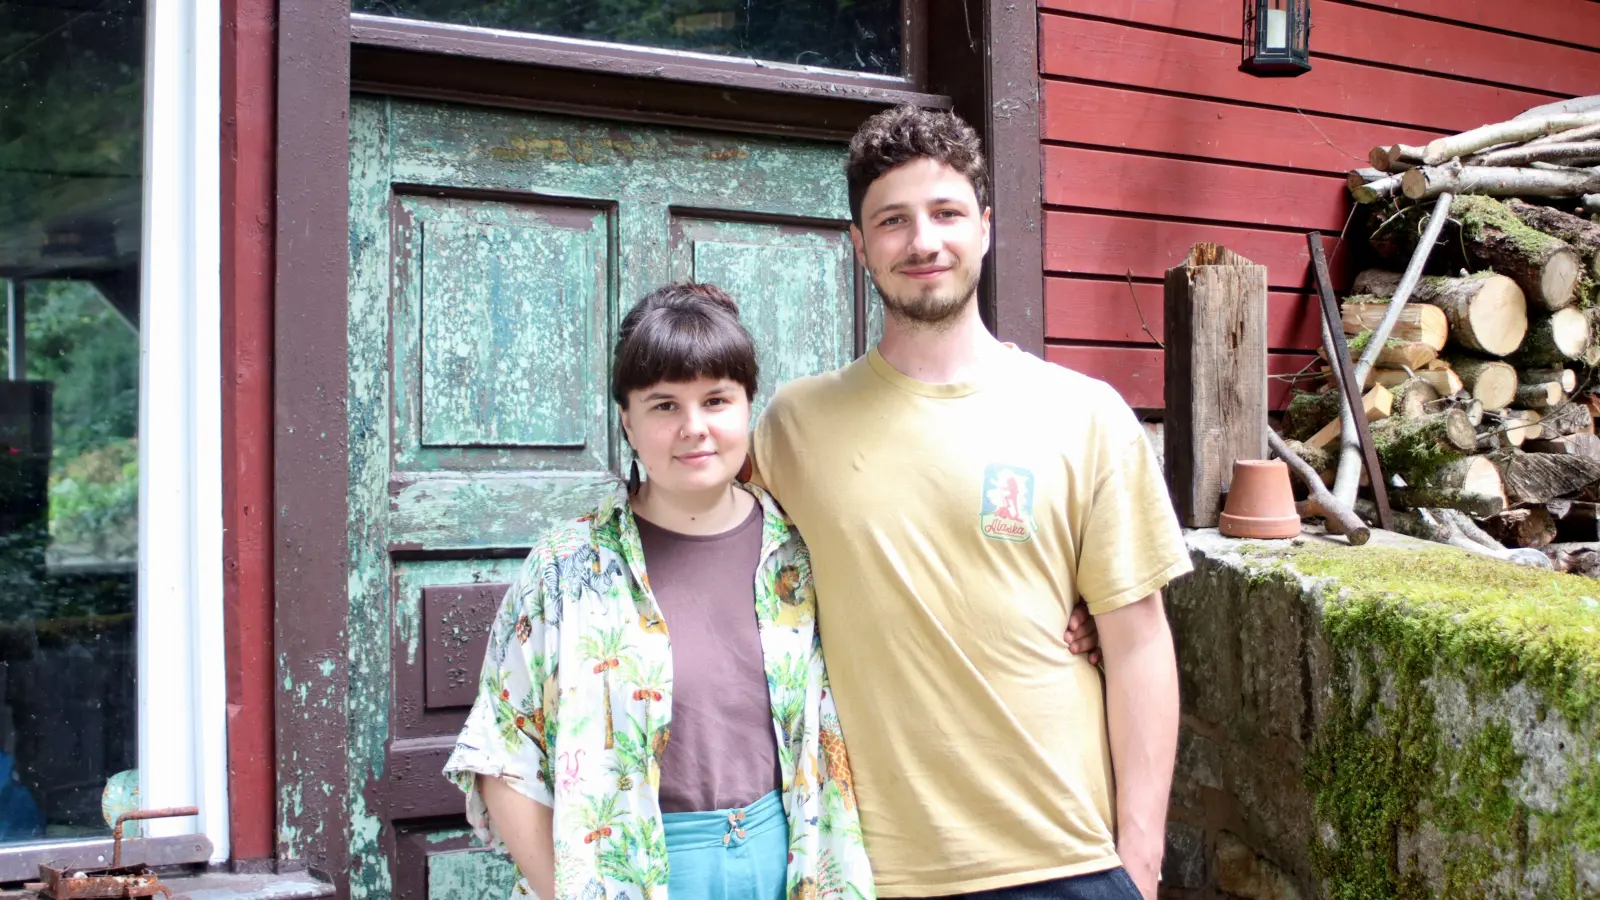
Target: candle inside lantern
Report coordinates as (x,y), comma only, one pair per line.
(1277,29)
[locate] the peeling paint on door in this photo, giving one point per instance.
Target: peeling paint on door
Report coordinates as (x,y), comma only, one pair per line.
(470,875)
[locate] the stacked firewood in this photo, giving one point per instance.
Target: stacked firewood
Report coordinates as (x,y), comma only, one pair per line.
(1481,399)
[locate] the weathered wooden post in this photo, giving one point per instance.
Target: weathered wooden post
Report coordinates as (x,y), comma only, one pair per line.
(1216,377)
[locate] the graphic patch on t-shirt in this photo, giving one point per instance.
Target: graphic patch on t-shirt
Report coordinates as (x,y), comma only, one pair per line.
(1007,503)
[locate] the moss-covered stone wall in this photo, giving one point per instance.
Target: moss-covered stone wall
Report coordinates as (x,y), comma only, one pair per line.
(1400,720)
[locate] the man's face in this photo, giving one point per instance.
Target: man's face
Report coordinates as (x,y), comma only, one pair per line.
(922,237)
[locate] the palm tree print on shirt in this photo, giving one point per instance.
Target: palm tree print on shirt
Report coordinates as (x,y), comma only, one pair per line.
(604,647)
(637,855)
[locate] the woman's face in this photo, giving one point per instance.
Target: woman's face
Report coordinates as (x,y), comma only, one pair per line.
(690,436)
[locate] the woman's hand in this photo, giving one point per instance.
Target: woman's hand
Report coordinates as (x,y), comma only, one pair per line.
(1082,635)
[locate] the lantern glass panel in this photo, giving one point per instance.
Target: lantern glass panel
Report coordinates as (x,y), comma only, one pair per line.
(1276,37)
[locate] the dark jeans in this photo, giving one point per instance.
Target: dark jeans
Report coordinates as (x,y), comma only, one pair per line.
(1112,884)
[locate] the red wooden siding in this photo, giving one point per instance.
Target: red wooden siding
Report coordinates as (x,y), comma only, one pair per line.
(1566,21)
(1365,35)
(1153,140)
(1081,113)
(1142,381)
(1109,311)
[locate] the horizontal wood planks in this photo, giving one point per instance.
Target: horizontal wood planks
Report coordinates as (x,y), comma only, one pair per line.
(1138,372)
(1095,244)
(1123,182)
(1088,310)
(1079,113)
(1566,21)
(1115,53)
(1367,35)
(1153,140)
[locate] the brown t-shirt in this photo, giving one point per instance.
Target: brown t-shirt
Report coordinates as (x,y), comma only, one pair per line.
(723,752)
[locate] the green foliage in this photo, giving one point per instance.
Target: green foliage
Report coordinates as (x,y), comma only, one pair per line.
(76,342)
(1358,344)
(1478,214)
(1308,412)
(94,501)
(1416,449)
(90,356)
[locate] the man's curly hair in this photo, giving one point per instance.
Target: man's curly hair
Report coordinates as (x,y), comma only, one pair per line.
(897,136)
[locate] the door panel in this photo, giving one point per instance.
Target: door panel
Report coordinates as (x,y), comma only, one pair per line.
(795,283)
(492,255)
(506,313)
(500,313)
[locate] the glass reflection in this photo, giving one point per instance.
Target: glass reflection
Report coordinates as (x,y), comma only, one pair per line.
(857,35)
(71,110)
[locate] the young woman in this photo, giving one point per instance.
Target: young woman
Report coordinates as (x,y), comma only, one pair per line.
(654,717)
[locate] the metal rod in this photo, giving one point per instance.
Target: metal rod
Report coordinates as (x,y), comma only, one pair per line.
(1349,378)
(163,813)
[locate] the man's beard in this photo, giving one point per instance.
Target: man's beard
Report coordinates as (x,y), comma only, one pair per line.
(930,307)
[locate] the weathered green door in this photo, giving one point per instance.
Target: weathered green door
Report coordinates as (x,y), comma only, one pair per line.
(492,254)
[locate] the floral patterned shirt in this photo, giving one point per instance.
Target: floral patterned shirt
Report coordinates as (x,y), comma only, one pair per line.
(574,710)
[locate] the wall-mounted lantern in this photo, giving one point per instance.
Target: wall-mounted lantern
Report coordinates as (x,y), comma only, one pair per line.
(1277,37)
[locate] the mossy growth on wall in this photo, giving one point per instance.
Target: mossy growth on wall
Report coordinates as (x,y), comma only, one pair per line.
(1416,801)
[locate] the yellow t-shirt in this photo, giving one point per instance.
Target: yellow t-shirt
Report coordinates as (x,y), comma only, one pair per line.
(952,527)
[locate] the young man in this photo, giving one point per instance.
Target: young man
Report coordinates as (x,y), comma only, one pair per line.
(959,496)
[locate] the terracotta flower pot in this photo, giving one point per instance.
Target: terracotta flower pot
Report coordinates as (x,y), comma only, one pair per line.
(1260,502)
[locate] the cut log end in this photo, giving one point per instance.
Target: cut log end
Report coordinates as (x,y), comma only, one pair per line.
(1540,396)
(1491,382)
(1417,323)
(1414,398)
(1444,380)
(1485,312)
(1560,276)
(1498,316)
(1555,339)
(1471,484)
(1567,378)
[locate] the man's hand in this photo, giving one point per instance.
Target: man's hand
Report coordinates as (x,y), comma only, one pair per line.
(1082,635)
(1143,867)
(1142,721)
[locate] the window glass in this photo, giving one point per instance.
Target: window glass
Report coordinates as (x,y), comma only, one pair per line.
(71,98)
(858,35)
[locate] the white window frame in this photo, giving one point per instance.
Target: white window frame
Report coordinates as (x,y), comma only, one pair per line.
(182,714)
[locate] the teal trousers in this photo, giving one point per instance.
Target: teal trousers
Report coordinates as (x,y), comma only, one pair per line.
(729,854)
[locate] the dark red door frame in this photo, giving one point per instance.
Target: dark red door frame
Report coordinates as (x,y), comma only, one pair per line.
(310,474)
(988,42)
(248,145)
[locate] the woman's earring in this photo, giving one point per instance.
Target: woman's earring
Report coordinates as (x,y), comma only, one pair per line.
(633,478)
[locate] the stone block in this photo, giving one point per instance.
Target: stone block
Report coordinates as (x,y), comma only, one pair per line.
(1184,865)
(1492,797)
(1199,766)
(1268,789)
(1249,876)
(1206,636)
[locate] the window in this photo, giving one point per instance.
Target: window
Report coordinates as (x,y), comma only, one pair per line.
(72,91)
(110,588)
(855,35)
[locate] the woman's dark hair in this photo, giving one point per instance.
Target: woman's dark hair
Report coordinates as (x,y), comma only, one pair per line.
(681,332)
(897,136)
